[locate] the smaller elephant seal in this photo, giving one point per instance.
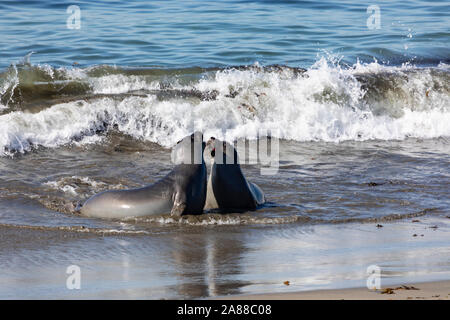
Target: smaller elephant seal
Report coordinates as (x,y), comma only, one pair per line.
(182,191)
(228,189)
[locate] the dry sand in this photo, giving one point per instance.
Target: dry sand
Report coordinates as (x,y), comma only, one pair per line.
(439,290)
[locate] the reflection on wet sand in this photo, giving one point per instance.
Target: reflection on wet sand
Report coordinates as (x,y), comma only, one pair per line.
(210,262)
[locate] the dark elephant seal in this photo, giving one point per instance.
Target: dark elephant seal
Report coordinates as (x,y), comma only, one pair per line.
(228,189)
(180,192)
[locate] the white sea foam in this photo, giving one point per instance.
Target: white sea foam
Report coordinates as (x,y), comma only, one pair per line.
(64,188)
(328,103)
(71,185)
(215,219)
(119,83)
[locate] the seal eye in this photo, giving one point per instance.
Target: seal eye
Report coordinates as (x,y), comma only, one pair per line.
(213,152)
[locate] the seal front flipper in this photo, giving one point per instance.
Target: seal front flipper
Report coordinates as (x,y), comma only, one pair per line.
(179,205)
(178,209)
(257,193)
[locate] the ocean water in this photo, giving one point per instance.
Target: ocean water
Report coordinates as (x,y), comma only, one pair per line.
(361,113)
(183,34)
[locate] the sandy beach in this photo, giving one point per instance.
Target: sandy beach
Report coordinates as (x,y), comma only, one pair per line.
(436,290)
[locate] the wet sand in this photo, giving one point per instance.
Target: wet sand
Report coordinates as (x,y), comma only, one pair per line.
(213,261)
(436,290)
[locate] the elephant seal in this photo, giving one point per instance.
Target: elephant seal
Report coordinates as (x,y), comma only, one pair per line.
(228,190)
(182,191)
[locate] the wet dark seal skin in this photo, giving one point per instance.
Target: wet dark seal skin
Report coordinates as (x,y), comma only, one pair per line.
(228,189)
(181,192)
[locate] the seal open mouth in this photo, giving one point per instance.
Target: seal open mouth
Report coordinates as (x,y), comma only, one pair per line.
(213,150)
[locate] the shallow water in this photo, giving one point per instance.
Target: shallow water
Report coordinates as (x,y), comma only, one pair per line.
(361,116)
(315,183)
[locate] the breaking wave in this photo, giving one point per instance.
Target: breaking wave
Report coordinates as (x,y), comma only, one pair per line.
(51,107)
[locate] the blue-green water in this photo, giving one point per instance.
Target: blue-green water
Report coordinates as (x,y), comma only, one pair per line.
(222,33)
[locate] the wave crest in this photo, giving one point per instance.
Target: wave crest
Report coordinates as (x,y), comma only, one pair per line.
(327,102)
